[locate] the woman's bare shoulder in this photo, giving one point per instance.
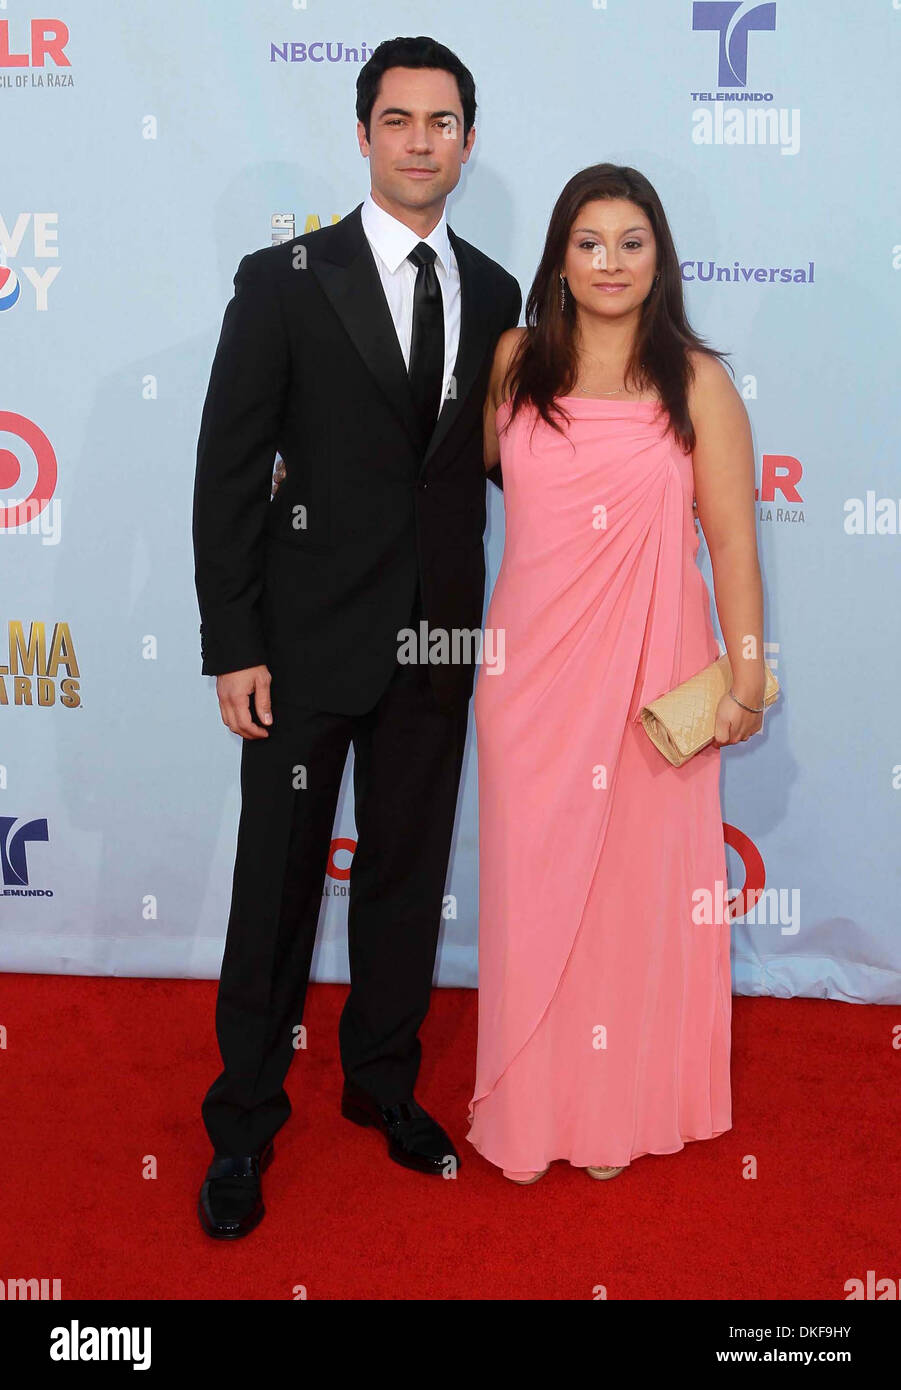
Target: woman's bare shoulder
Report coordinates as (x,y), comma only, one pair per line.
(711,387)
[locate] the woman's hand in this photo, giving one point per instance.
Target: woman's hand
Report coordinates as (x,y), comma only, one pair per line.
(733,723)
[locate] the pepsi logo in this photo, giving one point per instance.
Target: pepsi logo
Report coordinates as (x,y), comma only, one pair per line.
(10,288)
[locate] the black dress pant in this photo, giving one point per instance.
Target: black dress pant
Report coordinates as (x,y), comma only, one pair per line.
(407,760)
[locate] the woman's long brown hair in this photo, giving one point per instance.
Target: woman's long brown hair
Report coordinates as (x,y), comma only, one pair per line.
(545,364)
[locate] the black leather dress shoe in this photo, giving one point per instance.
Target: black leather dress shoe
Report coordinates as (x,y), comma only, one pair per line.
(231,1198)
(414,1138)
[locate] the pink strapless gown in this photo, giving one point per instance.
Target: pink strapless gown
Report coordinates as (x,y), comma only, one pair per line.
(604,1008)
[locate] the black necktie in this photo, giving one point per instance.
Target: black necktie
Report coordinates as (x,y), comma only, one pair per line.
(427,343)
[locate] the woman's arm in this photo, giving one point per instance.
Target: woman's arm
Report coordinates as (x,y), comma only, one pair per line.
(723,462)
(506,345)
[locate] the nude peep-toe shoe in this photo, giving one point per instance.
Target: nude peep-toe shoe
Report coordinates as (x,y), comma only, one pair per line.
(603,1173)
(523,1179)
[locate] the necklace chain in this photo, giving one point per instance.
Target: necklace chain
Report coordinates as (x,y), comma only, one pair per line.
(614,392)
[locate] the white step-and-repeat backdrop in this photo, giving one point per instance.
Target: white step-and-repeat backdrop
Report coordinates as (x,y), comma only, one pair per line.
(148,146)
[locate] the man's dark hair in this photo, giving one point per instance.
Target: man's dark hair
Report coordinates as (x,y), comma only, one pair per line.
(421,52)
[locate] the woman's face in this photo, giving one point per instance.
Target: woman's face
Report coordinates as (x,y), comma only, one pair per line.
(611,258)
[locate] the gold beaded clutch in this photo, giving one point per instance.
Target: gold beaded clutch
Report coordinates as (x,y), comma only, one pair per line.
(681,722)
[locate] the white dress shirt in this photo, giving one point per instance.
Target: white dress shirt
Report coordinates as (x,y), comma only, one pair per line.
(391,242)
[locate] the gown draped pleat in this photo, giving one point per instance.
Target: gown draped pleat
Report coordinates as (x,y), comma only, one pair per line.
(604,985)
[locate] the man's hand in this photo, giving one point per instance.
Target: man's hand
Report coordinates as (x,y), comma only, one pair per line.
(234,690)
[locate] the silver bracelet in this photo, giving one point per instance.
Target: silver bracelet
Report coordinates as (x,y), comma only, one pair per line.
(747,707)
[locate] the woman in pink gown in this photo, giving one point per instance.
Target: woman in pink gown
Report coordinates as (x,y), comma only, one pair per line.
(604,992)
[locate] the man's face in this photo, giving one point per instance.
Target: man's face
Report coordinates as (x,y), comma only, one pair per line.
(415,146)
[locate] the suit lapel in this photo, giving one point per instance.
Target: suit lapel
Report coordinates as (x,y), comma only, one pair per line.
(346,270)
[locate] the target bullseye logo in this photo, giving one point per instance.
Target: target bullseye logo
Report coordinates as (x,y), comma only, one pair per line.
(21,512)
(755,871)
(10,289)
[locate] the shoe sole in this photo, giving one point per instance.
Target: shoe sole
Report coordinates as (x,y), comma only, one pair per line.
(228,1235)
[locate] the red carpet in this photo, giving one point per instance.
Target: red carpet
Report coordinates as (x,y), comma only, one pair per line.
(100,1073)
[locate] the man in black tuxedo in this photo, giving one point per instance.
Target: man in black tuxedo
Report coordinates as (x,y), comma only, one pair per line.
(361,353)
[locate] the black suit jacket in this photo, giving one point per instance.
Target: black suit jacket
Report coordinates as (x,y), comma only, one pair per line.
(316,582)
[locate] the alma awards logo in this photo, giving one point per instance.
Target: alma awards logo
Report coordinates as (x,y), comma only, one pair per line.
(38,672)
